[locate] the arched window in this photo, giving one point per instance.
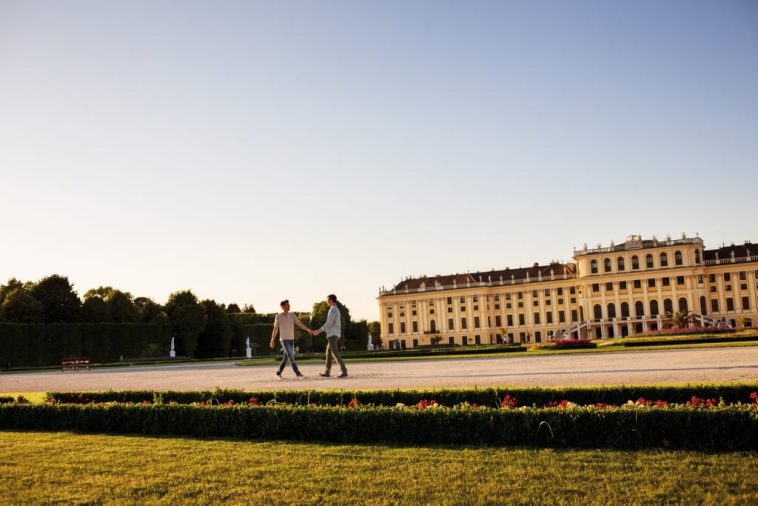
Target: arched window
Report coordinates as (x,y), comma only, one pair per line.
(598,312)
(677,258)
(703,306)
(697,256)
(611,310)
(653,307)
(635,262)
(593,267)
(607,265)
(664,260)
(620,263)
(668,306)
(639,308)
(432,326)
(624,310)
(649,261)
(683,304)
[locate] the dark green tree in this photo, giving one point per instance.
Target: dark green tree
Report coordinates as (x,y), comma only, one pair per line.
(60,303)
(121,307)
(375,328)
(248,308)
(95,310)
(12,285)
(21,307)
(233,308)
(149,311)
(187,318)
(215,339)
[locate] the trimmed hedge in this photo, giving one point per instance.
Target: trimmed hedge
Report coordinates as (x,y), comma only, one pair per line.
(692,340)
(527,396)
(725,428)
(34,345)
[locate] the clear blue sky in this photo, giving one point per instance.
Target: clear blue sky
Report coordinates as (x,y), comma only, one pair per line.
(253,151)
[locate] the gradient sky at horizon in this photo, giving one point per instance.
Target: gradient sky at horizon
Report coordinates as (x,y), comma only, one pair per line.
(255,151)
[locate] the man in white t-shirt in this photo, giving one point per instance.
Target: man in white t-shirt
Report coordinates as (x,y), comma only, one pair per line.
(284,324)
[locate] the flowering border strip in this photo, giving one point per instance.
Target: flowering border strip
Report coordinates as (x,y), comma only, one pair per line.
(629,427)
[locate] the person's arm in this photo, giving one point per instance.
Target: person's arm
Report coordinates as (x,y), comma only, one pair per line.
(300,324)
(274,332)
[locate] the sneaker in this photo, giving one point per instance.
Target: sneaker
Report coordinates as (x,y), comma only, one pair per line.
(324,374)
(279,375)
(301,376)
(343,375)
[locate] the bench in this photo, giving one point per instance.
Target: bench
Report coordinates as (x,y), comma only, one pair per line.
(75,363)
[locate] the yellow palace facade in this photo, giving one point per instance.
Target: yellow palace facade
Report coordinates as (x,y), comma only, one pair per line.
(607,292)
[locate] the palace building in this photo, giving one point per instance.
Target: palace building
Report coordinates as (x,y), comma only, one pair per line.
(606,292)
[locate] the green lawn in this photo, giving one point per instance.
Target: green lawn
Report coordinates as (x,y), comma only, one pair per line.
(47,468)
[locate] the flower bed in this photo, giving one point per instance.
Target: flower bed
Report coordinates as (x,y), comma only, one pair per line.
(633,425)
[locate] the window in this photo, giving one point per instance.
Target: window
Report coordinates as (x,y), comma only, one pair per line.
(476,308)
(743,275)
(574,316)
(520,295)
(637,283)
(677,258)
(651,283)
(402,327)
(665,282)
(535,293)
(497,297)
(497,306)
(609,287)
(498,321)
(510,320)
(649,261)
(450,324)
(507,296)
(729,304)
(699,279)
(680,280)
(450,309)
(451,340)
(593,267)
(728,288)
(715,305)
(560,291)
(711,278)
(549,316)
(664,260)
(402,313)
(389,315)
(624,310)
(536,318)
(639,308)
(635,262)
(431,311)
(413,303)
(620,263)
(611,310)
(432,326)
(560,302)
(464,324)
(683,306)
(391,328)
(745,303)
(653,307)
(727,276)
(572,290)
(597,311)
(697,256)
(413,313)
(668,306)
(476,322)
(414,325)
(561,316)
(536,303)
(573,300)
(449,300)
(595,287)
(521,319)
(476,298)
(607,265)
(622,285)
(463,309)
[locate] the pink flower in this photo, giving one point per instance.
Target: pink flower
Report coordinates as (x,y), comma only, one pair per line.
(509,402)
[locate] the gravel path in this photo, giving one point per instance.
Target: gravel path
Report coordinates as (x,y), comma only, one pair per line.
(665,366)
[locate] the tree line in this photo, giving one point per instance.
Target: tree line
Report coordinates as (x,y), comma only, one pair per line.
(203,328)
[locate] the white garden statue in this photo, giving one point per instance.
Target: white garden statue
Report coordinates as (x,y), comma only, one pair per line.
(370,345)
(172,353)
(248,349)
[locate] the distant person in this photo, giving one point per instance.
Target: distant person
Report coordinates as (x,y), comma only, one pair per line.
(284,324)
(333,329)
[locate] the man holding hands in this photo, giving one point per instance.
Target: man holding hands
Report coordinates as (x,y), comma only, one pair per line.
(284,324)
(333,329)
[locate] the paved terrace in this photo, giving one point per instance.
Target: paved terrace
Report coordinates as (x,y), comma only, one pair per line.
(665,366)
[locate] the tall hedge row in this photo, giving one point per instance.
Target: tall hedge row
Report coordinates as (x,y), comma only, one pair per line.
(527,396)
(24,345)
(727,428)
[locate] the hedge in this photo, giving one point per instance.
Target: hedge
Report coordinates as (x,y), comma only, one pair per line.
(527,396)
(726,428)
(31,345)
(693,340)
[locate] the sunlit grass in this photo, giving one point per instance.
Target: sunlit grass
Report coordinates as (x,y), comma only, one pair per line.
(33,397)
(60,467)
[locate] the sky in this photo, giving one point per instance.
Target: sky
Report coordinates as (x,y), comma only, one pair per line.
(255,151)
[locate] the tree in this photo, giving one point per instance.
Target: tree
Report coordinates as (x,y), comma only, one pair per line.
(187,318)
(215,339)
(436,340)
(320,309)
(95,310)
(149,311)
(102,292)
(60,303)
(20,306)
(12,285)
(677,319)
(375,328)
(121,307)
(248,308)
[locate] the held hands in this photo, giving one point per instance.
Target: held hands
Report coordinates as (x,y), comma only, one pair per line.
(315,332)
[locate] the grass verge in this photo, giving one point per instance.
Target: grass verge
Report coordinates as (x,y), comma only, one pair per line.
(37,468)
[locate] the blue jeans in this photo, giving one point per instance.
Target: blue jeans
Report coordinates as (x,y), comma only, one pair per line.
(289,354)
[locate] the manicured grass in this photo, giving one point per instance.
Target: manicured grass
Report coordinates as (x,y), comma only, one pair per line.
(40,468)
(33,397)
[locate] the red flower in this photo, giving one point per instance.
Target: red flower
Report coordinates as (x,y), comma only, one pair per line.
(145,402)
(424,403)
(642,401)
(601,405)
(253,401)
(354,403)
(509,402)
(661,404)
(230,402)
(754,397)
